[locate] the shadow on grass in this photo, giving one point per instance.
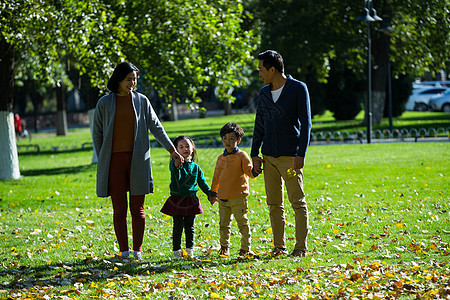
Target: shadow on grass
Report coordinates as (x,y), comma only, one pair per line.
(55,150)
(59,171)
(106,269)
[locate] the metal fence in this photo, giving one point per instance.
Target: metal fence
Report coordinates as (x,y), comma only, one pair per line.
(319,137)
(404,134)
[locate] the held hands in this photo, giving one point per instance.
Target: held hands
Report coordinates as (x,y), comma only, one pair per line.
(213,200)
(212,197)
(299,162)
(178,159)
(257,164)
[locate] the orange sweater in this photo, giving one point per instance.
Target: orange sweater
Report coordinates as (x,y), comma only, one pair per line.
(123,139)
(231,175)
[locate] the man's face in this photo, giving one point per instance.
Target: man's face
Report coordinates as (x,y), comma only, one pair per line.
(266,75)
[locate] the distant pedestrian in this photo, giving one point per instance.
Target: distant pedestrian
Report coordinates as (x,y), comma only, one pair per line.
(230,182)
(183,204)
(17,124)
(122,123)
(282,131)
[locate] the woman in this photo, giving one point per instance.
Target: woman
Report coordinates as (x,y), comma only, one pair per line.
(121,124)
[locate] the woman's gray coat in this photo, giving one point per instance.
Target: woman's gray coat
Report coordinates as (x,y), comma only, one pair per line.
(141,181)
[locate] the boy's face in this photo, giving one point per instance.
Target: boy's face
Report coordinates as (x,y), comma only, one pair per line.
(230,141)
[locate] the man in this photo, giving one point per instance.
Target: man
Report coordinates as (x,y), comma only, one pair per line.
(282,131)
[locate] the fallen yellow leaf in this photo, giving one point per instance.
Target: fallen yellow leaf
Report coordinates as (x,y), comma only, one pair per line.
(215,295)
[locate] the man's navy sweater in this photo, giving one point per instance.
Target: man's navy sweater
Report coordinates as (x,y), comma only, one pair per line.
(283,128)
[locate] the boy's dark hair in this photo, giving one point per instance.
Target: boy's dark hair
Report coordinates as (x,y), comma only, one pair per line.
(232,127)
(119,74)
(184,137)
(272,58)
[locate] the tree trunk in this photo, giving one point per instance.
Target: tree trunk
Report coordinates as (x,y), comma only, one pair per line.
(227,107)
(379,77)
(91,103)
(202,110)
(9,160)
(61,115)
(91,113)
(173,112)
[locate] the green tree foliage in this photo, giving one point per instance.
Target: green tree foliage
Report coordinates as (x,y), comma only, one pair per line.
(344,93)
(184,47)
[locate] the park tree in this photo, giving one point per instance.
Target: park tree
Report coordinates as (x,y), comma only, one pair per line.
(312,34)
(24,27)
(185,47)
(41,36)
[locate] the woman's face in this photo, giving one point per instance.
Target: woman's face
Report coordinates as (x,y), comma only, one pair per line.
(185,148)
(127,85)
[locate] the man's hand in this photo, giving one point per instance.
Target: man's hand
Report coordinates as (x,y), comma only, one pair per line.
(299,162)
(257,164)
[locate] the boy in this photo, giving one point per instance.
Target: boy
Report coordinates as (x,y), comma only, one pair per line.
(230,182)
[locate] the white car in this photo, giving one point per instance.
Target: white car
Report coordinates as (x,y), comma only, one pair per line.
(420,97)
(441,102)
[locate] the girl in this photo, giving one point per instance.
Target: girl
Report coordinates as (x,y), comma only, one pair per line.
(183,203)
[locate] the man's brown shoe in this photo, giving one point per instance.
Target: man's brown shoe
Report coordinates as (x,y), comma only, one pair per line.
(298,253)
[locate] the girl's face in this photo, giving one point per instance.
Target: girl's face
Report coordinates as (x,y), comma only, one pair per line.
(185,148)
(127,85)
(230,141)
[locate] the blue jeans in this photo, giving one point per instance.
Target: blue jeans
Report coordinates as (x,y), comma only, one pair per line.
(180,222)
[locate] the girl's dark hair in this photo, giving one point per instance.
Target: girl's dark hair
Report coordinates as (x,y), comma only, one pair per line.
(184,137)
(232,127)
(272,58)
(119,74)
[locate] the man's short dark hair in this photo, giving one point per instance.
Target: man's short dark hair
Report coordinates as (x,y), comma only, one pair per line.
(232,127)
(119,74)
(272,58)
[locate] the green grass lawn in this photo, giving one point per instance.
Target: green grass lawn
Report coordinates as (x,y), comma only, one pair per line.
(379,228)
